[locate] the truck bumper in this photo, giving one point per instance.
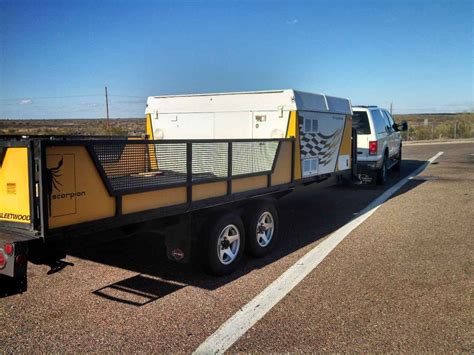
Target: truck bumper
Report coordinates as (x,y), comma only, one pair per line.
(366,167)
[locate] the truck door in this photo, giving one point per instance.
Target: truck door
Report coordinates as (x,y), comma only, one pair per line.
(390,134)
(382,132)
(395,136)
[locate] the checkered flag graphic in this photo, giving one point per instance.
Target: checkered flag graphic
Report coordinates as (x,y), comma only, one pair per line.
(320,145)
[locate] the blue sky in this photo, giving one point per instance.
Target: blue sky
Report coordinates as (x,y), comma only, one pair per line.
(56,56)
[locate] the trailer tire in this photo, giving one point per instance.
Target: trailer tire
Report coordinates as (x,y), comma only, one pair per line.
(261,227)
(225,243)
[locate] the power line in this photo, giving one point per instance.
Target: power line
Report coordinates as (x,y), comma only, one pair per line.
(137,97)
(47,97)
(68,97)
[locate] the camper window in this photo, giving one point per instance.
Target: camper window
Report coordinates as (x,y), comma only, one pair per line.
(310,167)
(310,125)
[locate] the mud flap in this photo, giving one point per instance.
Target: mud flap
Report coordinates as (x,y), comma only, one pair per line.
(178,240)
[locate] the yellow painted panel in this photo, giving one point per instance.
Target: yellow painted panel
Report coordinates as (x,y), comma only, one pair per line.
(294,132)
(77,193)
(282,172)
(249,183)
(346,144)
(149,128)
(14,189)
(209,190)
(153,199)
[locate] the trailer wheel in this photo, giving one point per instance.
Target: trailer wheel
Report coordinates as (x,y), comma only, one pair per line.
(225,244)
(261,226)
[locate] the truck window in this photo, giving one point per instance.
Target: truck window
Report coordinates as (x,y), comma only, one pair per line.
(379,121)
(390,118)
(360,121)
(386,119)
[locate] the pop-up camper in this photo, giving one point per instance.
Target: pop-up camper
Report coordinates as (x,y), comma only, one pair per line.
(321,124)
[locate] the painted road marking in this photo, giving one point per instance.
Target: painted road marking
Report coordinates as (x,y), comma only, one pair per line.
(236,326)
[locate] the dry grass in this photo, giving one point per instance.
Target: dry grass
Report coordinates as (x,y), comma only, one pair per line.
(438,126)
(123,126)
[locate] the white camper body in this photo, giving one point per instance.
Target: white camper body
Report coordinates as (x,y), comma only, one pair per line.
(319,122)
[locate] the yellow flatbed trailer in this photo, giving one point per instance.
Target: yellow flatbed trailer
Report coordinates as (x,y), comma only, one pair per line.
(213,195)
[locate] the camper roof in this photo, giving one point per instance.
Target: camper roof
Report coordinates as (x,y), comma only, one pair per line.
(248,101)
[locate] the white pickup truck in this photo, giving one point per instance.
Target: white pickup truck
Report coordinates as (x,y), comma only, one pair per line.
(379,142)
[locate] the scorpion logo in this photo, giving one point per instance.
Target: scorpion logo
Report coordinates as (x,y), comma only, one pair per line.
(52,175)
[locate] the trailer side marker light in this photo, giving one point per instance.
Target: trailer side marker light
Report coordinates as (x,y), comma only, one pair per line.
(3,260)
(8,248)
(20,259)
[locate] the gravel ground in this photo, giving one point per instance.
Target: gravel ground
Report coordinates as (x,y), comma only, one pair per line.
(396,284)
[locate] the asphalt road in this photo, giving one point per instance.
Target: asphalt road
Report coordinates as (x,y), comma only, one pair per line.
(402,281)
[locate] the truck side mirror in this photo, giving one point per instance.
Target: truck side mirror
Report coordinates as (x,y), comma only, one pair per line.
(403,126)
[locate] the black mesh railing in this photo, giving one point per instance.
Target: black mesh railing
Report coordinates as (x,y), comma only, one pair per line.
(134,166)
(252,157)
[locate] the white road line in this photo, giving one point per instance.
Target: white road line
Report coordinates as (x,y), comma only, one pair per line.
(236,326)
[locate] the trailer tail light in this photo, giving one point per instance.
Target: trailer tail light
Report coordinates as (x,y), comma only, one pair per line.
(21,259)
(372,147)
(3,260)
(8,248)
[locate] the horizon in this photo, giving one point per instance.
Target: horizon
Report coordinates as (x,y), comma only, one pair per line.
(143,117)
(57,56)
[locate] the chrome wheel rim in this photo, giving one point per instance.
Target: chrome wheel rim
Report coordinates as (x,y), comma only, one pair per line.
(265,229)
(228,244)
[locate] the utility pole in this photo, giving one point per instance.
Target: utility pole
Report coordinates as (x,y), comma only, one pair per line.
(107,108)
(391,106)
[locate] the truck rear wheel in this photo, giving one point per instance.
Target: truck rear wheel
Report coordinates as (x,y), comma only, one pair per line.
(398,164)
(224,245)
(261,226)
(381,174)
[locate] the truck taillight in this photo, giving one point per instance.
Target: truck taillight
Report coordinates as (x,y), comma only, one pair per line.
(373,147)
(3,259)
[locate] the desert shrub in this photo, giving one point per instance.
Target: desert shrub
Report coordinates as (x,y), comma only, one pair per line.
(465,127)
(444,130)
(420,132)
